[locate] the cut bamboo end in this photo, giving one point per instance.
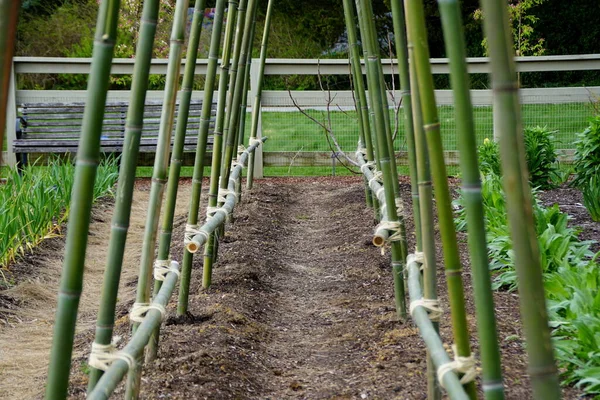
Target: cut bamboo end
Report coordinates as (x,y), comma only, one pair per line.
(192,247)
(379,239)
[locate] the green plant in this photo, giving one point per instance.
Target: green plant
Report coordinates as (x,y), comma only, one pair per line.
(587,154)
(489,157)
(591,197)
(541,156)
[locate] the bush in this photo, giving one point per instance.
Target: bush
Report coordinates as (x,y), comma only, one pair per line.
(541,156)
(489,158)
(591,197)
(586,162)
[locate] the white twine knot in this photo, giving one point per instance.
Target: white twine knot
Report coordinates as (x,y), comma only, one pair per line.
(223,193)
(430,305)
(362,150)
(163,267)
(377,177)
(103,355)
(393,227)
(240,149)
(191,231)
(366,166)
(252,141)
(417,256)
(463,365)
(235,164)
(139,310)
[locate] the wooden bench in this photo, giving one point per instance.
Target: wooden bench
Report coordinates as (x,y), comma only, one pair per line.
(55,128)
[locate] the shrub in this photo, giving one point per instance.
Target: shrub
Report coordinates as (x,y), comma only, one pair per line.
(591,197)
(586,162)
(489,157)
(541,156)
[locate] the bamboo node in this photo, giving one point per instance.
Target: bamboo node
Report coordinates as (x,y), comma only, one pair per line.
(463,365)
(192,230)
(164,267)
(432,306)
(139,310)
(103,355)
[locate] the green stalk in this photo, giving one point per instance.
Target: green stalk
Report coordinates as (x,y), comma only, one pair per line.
(244,104)
(386,152)
(542,368)
(258,91)
(428,246)
(198,174)
(88,155)
(415,20)
(164,241)
(135,348)
(159,176)
(493,388)
(233,122)
(403,69)
(362,110)
(9,16)
(122,211)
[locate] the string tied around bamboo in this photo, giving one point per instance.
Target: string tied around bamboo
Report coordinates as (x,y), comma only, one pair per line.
(367,166)
(377,177)
(432,306)
(139,310)
(236,163)
(252,141)
(223,193)
(163,267)
(460,364)
(191,231)
(418,257)
(103,356)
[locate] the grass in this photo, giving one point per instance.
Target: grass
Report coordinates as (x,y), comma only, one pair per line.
(33,205)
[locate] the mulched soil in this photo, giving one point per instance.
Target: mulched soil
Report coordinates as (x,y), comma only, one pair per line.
(301,307)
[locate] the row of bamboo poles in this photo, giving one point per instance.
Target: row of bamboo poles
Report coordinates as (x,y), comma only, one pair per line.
(428,177)
(375,155)
(157,277)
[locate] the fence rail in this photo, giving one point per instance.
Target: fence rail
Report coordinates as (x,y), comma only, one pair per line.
(296,141)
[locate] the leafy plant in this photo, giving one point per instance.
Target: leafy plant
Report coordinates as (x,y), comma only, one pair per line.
(489,157)
(541,156)
(587,154)
(591,197)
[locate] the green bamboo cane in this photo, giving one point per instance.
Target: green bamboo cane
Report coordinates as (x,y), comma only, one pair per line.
(405,87)
(198,174)
(362,112)
(164,241)
(415,21)
(159,176)
(88,155)
(386,153)
(9,15)
(239,33)
(258,91)
(244,104)
(122,211)
(542,369)
(428,246)
(493,388)
(227,157)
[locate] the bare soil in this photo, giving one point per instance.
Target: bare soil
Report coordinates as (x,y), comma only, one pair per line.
(301,307)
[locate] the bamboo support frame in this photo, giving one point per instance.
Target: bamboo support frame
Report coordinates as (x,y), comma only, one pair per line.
(256,105)
(164,241)
(159,174)
(493,388)
(415,21)
(542,368)
(122,211)
(9,15)
(88,156)
(186,268)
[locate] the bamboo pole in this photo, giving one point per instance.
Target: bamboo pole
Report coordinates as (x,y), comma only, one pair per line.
(164,241)
(360,97)
(9,16)
(428,246)
(385,154)
(215,43)
(88,155)
(217,170)
(493,388)
(122,211)
(542,368)
(258,91)
(244,104)
(159,176)
(415,21)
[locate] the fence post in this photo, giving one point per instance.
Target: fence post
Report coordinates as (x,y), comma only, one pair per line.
(9,158)
(258,153)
